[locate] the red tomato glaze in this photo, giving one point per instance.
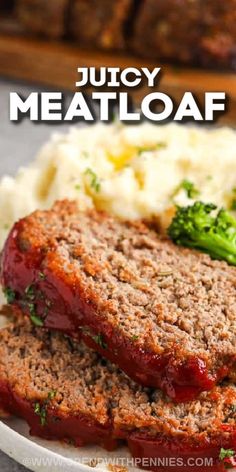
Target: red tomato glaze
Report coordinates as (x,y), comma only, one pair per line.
(159,454)
(57,301)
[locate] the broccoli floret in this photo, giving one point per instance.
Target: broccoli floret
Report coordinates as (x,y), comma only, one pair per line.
(200,227)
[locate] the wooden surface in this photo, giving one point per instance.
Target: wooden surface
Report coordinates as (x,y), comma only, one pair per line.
(55,64)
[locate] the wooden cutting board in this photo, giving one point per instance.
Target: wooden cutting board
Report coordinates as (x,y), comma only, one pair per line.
(55,64)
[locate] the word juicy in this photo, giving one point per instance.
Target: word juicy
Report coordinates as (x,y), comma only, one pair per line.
(155,106)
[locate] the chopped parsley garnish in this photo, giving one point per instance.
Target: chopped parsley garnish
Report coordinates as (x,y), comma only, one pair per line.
(226,454)
(36,320)
(188,187)
(52,394)
(95,184)
(155,147)
(29,301)
(134,337)
(42,412)
(9,294)
(100,341)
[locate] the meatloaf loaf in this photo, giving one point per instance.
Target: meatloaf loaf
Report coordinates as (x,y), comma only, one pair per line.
(43,17)
(100,24)
(66,391)
(189,31)
(164,314)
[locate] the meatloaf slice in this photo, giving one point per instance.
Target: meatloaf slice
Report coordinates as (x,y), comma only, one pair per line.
(188,31)
(100,24)
(43,17)
(164,314)
(66,391)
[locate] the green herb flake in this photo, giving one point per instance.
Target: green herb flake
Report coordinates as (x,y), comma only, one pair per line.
(41,411)
(226,454)
(188,187)
(9,294)
(77,187)
(155,147)
(52,394)
(100,341)
(134,337)
(95,184)
(36,320)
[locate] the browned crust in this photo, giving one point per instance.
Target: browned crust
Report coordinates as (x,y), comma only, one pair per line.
(34,362)
(109,276)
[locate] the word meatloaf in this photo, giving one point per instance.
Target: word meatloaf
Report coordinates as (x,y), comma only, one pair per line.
(164,314)
(66,391)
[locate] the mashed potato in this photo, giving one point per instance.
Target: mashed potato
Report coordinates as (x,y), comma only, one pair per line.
(130,171)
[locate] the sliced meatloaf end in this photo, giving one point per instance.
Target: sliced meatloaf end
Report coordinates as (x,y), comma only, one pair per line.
(100,24)
(207,36)
(43,17)
(164,314)
(66,391)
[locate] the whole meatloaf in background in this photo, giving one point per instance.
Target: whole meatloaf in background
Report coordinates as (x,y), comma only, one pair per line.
(164,314)
(66,391)
(200,32)
(43,17)
(100,24)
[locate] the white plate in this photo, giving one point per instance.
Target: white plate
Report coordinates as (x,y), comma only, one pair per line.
(51,456)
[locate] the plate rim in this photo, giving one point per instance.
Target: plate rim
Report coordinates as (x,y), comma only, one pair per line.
(8,440)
